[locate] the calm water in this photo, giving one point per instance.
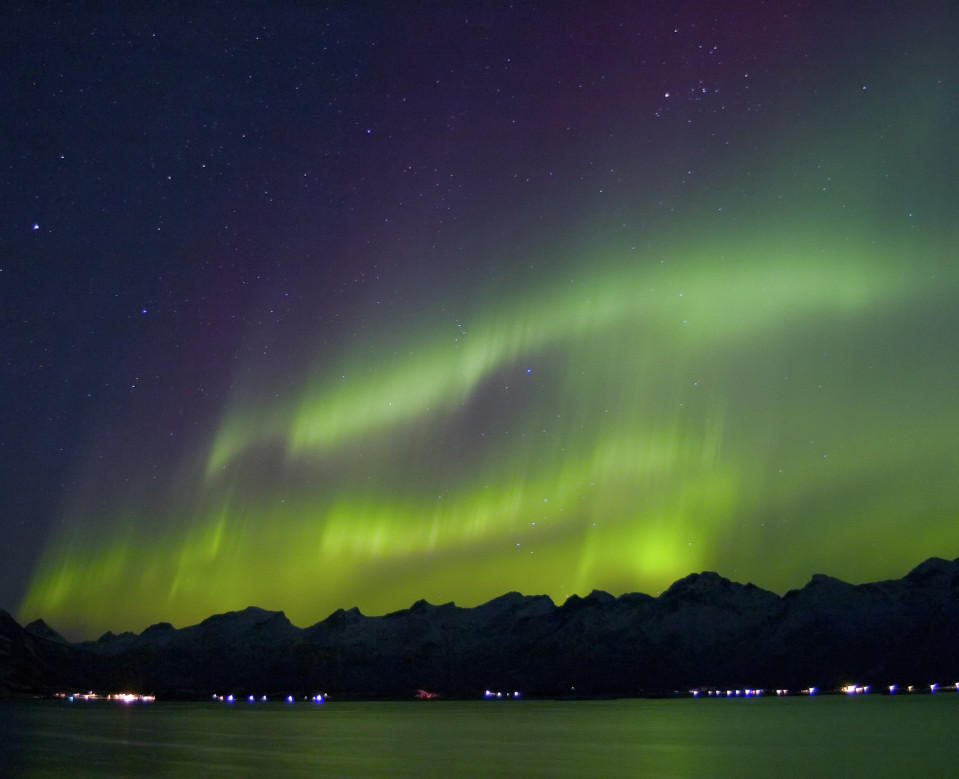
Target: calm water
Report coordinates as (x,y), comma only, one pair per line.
(824,736)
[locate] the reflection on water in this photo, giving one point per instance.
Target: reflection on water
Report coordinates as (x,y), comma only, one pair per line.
(867,735)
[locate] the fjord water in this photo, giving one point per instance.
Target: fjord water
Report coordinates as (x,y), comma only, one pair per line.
(865,735)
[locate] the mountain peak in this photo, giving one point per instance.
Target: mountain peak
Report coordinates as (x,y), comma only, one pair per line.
(934,567)
(698,583)
(823,580)
(41,629)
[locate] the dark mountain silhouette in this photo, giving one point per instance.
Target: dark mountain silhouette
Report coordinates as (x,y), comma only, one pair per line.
(703,631)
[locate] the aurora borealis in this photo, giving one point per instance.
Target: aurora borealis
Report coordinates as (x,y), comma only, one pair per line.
(469,299)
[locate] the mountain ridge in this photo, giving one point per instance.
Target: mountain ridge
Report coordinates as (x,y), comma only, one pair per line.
(703,630)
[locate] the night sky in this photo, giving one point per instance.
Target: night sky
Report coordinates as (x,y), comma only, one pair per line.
(310,308)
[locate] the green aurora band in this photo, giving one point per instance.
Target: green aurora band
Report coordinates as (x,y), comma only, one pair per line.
(727,406)
(766,392)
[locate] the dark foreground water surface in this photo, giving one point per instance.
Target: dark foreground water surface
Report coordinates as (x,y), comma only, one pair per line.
(865,735)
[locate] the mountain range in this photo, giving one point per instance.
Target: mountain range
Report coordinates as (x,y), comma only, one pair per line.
(704,631)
